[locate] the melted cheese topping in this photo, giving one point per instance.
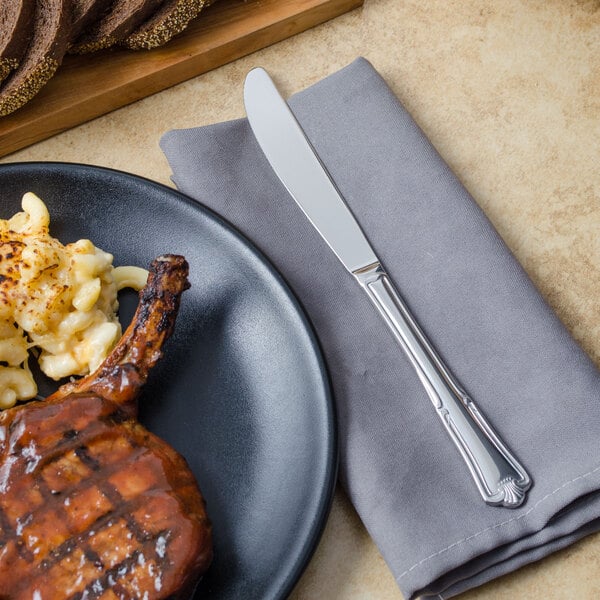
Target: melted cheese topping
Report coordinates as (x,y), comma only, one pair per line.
(59,299)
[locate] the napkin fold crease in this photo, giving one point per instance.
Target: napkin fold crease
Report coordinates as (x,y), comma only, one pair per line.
(507,348)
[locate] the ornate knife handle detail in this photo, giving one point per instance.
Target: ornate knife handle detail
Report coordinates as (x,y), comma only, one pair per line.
(499,477)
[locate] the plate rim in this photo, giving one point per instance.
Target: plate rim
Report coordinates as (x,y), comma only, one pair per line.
(329,484)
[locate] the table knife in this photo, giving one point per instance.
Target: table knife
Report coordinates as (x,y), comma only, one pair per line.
(498,475)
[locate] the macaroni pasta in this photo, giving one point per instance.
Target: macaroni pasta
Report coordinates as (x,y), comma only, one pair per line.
(59,299)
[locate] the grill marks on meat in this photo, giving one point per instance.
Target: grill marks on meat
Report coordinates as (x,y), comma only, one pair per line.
(103,508)
(92,504)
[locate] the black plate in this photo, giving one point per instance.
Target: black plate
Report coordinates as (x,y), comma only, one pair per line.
(242,391)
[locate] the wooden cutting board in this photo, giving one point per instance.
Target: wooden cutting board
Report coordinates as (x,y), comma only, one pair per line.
(86,87)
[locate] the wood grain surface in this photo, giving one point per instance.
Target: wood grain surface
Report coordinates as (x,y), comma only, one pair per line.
(91,85)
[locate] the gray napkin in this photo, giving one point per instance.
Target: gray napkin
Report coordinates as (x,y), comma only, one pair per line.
(538,388)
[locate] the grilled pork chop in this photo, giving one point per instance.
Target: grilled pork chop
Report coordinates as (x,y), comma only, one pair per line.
(93,505)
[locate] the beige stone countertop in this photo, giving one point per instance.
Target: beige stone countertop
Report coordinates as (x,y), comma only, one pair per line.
(509,93)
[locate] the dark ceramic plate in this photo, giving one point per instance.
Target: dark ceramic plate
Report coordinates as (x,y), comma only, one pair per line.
(242,391)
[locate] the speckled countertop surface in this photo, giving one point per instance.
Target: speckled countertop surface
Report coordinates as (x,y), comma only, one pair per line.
(509,93)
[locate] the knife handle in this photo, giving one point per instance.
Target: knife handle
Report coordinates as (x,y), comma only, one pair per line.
(500,478)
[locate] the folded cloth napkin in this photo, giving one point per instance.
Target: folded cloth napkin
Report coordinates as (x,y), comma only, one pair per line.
(535,385)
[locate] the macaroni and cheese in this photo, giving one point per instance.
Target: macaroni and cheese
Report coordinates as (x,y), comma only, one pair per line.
(61,300)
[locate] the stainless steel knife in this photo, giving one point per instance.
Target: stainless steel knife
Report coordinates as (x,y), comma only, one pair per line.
(500,478)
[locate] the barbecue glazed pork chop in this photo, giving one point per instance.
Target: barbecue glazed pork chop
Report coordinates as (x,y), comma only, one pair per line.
(93,505)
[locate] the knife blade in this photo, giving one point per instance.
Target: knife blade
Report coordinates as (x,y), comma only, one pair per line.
(499,477)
